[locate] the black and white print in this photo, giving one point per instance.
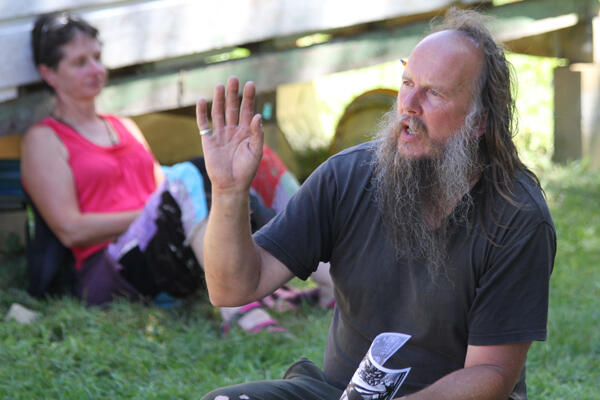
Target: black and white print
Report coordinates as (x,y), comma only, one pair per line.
(373,381)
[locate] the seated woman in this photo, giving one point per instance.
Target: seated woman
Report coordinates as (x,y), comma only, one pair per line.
(96,183)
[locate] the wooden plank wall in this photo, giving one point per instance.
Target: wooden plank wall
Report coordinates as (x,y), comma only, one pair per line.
(137,32)
(158,34)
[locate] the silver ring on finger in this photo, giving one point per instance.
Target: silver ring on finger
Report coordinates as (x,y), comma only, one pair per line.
(206,131)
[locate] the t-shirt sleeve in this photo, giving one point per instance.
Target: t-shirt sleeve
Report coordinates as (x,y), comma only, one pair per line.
(301,234)
(511,299)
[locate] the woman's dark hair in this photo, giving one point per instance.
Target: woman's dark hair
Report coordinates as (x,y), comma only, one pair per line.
(52,31)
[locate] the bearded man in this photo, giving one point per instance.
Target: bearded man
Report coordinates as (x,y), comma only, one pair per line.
(435,229)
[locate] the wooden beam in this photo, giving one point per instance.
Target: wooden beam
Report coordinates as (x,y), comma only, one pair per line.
(17,115)
(142,31)
(573,43)
(10,147)
(8,94)
(14,9)
(168,90)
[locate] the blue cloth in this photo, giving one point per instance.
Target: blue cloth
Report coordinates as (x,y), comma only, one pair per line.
(191,178)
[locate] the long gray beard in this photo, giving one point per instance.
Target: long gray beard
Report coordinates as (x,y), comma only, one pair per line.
(421,199)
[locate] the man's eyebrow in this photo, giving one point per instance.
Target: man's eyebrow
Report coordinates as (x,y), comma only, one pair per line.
(441,89)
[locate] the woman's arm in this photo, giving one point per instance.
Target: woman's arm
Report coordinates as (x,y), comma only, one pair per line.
(48,179)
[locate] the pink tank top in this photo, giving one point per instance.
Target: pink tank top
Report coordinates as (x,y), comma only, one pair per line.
(107,179)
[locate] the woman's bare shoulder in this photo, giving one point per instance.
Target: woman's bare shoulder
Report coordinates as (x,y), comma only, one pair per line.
(40,138)
(39,132)
(130,125)
(135,131)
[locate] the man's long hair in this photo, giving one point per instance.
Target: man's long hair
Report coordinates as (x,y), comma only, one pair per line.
(415,195)
(494,92)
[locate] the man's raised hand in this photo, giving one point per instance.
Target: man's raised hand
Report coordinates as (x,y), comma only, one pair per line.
(233,149)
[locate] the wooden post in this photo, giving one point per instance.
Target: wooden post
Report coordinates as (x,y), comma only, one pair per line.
(577,113)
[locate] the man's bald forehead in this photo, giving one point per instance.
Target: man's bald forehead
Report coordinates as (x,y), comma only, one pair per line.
(449,55)
(451,36)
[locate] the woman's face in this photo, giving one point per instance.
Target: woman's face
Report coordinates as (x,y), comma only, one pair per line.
(80,73)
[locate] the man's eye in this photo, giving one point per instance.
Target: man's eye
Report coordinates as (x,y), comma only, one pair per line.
(433,93)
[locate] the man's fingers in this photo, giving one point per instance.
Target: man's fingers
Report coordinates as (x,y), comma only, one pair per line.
(225,110)
(232,111)
(247,108)
(202,115)
(256,134)
(256,124)
(218,108)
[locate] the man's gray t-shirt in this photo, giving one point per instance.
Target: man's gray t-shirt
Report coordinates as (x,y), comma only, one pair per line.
(494,289)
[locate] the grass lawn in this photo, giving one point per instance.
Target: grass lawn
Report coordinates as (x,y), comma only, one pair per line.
(132,351)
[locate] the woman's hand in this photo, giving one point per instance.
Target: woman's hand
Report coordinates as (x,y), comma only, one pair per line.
(233,149)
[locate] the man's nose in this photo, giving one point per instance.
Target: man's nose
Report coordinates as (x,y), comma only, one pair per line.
(411,102)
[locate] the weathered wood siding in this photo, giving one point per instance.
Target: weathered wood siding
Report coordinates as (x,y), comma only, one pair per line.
(168,39)
(137,32)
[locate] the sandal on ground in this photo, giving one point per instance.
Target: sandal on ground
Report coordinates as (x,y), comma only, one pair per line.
(243,317)
(287,298)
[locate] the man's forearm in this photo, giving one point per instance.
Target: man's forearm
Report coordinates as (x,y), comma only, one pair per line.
(481,382)
(231,262)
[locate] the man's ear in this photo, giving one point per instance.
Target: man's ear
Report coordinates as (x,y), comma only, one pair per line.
(48,74)
(481,125)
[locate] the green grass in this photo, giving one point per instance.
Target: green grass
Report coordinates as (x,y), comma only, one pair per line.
(133,351)
(567,366)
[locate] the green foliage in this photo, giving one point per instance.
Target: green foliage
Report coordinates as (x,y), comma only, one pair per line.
(309,160)
(10,243)
(534,102)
